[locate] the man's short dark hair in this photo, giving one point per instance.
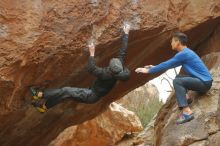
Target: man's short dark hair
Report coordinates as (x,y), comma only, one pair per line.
(181,37)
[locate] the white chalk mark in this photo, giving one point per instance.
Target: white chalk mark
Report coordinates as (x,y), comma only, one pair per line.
(135,20)
(3,30)
(134,2)
(95,3)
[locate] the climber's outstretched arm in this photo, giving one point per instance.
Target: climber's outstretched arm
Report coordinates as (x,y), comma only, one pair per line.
(123,49)
(92,68)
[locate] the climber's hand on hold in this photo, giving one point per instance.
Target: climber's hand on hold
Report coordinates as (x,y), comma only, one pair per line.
(91,49)
(126,28)
(142,70)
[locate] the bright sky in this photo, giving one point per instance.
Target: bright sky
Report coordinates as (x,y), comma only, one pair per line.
(164,86)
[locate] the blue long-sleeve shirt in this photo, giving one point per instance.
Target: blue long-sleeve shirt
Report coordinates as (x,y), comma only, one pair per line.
(190,62)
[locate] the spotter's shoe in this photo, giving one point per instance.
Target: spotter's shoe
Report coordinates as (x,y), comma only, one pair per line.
(183,118)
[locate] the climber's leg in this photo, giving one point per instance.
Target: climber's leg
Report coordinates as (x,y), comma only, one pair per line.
(52,93)
(40,97)
(78,94)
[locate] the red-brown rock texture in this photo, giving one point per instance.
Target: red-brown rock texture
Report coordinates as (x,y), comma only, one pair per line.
(42,42)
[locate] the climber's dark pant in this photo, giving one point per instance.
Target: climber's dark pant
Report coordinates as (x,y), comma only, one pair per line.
(55,96)
(183,83)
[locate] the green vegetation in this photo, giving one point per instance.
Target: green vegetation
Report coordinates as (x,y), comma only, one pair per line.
(147,112)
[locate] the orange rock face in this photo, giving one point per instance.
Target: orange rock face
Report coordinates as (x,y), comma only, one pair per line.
(104,130)
(42,42)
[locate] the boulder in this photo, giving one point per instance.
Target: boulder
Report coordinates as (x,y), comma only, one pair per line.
(105,130)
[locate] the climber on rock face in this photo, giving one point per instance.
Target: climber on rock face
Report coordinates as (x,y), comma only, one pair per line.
(106,80)
(197,76)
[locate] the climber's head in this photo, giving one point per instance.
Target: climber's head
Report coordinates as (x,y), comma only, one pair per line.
(179,41)
(115,66)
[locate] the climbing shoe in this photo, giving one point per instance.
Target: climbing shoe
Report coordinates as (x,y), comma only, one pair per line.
(39,104)
(34,93)
(183,118)
(41,110)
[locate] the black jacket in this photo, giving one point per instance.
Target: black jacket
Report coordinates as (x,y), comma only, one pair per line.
(105,78)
